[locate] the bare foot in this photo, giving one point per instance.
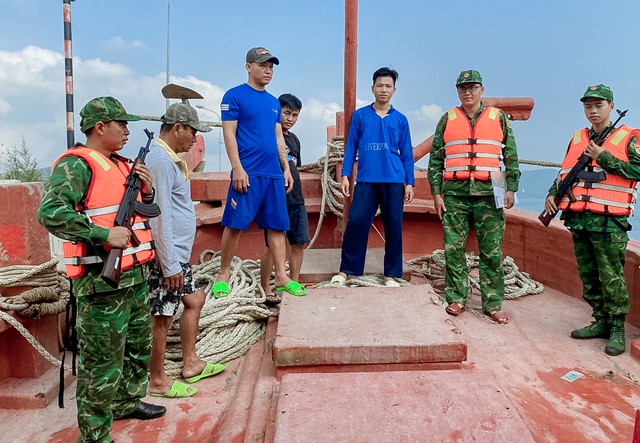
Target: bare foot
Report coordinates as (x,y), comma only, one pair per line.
(193,369)
(161,385)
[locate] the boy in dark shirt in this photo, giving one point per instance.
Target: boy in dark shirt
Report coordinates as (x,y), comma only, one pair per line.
(298,234)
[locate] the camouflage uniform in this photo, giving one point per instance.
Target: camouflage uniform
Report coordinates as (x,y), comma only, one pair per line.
(114,326)
(471,202)
(600,244)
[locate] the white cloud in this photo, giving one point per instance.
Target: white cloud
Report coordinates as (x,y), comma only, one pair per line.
(117,43)
(32,104)
(5,107)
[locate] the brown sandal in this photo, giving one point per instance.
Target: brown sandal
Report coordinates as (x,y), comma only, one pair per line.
(455,308)
(498,317)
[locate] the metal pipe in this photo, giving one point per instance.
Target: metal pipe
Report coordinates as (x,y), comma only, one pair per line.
(350,73)
(68,71)
(168,44)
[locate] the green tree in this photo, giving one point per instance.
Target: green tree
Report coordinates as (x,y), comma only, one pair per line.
(19,164)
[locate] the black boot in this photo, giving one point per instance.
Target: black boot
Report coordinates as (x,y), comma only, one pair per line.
(145,411)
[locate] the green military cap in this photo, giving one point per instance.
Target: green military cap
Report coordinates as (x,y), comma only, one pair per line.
(103,109)
(598,91)
(469,76)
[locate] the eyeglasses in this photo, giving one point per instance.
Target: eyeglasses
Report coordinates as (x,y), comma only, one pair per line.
(472,88)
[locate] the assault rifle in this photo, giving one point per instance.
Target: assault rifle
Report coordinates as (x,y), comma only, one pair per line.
(129,207)
(577,172)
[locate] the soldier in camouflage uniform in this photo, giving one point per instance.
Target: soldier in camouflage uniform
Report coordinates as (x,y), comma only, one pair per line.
(464,194)
(114,326)
(599,234)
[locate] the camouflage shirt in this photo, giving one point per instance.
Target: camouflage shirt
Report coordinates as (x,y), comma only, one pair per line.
(472,187)
(590,221)
(65,191)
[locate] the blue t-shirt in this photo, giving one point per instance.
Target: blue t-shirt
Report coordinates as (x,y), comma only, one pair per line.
(257,113)
(382,145)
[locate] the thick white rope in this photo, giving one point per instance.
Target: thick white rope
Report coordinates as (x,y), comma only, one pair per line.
(228,326)
(30,338)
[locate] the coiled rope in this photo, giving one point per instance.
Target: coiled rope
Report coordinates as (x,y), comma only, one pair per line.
(49,296)
(228,326)
(331,193)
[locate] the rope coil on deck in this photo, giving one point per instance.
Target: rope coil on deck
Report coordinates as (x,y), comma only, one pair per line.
(48,296)
(228,326)
(49,293)
(516,283)
(331,192)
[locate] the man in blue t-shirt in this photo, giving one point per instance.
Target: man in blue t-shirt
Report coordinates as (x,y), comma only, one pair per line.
(260,175)
(379,137)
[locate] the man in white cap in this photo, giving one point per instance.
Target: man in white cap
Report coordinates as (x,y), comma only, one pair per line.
(171,279)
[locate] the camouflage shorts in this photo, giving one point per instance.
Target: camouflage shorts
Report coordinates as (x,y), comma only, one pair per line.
(165,302)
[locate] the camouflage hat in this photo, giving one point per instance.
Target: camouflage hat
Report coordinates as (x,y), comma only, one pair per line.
(183,114)
(598,91)
(103,109)
(469,76)
(260,54)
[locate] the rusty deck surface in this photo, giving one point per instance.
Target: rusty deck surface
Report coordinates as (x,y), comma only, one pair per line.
(526,358)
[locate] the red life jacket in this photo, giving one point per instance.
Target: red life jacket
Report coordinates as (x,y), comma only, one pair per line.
(106,189)
(614,195)
(472,152)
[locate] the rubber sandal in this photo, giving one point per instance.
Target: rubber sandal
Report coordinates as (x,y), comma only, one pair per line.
(338,280)
(455,308)
(220,289)
(498,316)
(293,288)
(178,390)
(209,370)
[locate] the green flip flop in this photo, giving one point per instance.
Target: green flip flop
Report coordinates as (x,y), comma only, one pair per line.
(220,289)
(293,288)
(209,370)
(178,390)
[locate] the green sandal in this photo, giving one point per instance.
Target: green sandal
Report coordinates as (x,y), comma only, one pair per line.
(178,390)
(293,288)
(220,289)
(209,370)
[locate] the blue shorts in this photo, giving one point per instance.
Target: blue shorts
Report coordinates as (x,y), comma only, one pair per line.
(265,202)
(298,234)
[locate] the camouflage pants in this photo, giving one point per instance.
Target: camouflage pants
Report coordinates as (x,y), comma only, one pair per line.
(114,343)
(489,222)
(601,259)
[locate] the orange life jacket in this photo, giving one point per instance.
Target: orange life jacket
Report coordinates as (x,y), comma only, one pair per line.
(614,195)
(106,189)
(472,152)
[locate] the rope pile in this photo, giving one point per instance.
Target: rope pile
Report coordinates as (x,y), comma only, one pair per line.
(49,296)
(228,326)
(368,281)
(49,293)
(516,283)
(330,187)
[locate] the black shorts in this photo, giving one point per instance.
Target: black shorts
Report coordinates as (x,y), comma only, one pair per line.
(298,233)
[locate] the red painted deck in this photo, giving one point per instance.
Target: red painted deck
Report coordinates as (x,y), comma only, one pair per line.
(526,358)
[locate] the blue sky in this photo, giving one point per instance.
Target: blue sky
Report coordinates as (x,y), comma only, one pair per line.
(548,50)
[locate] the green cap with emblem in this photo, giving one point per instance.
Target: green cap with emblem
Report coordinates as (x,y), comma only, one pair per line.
(470,76)
(103,109)
(598,91)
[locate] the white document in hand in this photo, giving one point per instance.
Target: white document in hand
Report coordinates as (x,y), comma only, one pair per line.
(499,182)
